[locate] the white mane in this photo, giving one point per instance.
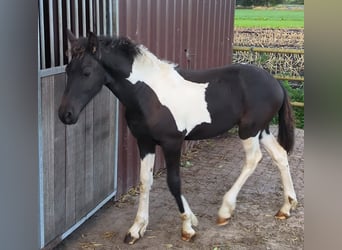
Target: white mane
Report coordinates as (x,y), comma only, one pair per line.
(148,64)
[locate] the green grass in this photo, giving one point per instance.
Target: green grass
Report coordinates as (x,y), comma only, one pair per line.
(269,18)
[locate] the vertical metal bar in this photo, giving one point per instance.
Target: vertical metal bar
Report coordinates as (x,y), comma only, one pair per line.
(91,20)
(117,110)
(42,34)
(68,16)
(52,47)
(116,13)
(84,22)
(110,8)
(77,30)
(60,33)
(40,150)
(97,17)
(104,13)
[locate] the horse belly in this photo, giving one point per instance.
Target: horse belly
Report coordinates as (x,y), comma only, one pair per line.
(209,130)
(225,110)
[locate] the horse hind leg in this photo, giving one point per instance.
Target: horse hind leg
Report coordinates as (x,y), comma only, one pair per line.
(279,157)
(253,156)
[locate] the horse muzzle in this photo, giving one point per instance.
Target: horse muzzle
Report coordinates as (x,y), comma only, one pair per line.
(67,115)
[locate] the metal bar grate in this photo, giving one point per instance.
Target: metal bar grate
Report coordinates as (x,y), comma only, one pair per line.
(80,16)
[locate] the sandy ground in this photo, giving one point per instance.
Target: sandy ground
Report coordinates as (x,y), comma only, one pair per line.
(209,171)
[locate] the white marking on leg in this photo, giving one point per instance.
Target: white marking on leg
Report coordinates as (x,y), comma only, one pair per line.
(172,90)
(279,157)
(146,178)
(253,156)
(189,220)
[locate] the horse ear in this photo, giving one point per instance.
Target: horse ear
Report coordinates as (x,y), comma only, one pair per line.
(71,37)
(93,42)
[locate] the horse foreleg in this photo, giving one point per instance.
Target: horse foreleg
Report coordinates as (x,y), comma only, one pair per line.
(189,220)
(172,158)
(279,157)
(253,156)
(141,220)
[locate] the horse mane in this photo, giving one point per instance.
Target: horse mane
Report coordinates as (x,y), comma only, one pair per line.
(132,50)
(124,44)
(147,58)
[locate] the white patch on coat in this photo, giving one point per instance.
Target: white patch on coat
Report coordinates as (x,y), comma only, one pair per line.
(188,217)
(146,178)
(279,157)
(185,99)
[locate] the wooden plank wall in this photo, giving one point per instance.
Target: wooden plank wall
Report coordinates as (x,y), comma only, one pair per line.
(78,160)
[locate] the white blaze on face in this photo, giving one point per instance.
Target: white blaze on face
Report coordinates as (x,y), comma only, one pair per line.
(184,99)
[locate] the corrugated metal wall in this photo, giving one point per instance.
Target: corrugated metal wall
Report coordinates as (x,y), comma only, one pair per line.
(195,34)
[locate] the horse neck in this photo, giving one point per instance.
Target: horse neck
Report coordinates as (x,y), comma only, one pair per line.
(125,75)
(145,67)
(124,91)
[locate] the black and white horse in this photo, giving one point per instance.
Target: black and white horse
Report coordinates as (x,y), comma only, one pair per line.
(166,105)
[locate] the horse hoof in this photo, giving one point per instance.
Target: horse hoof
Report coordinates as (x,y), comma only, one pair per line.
(282,216)
(222,221)
(129,239)
(187,236)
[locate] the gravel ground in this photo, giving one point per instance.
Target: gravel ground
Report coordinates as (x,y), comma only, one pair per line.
(210,169)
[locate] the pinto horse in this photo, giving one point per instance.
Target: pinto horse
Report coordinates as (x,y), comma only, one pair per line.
(166,105)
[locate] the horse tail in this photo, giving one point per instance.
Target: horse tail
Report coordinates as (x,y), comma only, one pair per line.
(286,124)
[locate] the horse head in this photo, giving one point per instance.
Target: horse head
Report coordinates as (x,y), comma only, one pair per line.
(85,77)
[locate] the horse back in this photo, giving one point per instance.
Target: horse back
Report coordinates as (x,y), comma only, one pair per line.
(246,83)
(239,94)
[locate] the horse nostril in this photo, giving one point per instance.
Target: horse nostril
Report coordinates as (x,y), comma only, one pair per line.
(67,117)
(67,114)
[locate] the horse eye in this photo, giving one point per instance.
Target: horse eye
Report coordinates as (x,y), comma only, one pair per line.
(86,72)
